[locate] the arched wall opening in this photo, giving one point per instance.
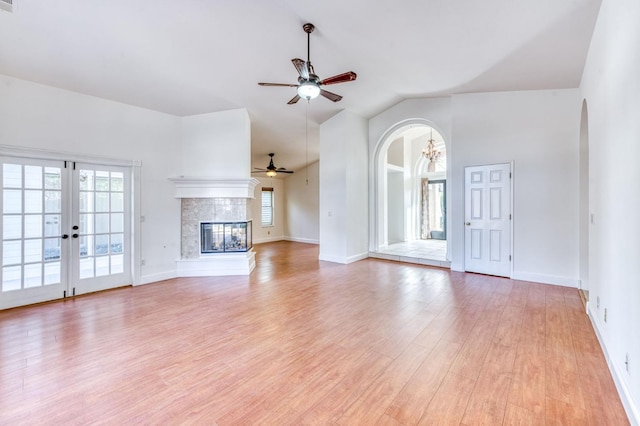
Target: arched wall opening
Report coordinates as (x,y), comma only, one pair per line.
(402,174)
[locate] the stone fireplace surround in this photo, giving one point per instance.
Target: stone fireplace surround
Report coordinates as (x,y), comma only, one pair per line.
(212,200)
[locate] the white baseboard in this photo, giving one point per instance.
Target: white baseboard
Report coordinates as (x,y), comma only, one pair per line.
(158,276)
(623,391)
(457,267)
(267,240)
(343,260)
(302,240)
(545,279)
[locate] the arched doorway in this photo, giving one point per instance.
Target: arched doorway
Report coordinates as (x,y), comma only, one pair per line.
(409,213)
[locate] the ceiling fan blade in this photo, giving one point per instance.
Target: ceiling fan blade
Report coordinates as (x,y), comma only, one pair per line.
(278,84)
(259,169)
(331,96)
(340,78)
(293,100)
(285,171)
(302,68)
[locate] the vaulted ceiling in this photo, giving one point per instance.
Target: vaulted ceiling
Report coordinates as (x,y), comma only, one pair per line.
(199,56)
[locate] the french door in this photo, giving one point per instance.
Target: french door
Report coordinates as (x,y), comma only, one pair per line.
(65,229)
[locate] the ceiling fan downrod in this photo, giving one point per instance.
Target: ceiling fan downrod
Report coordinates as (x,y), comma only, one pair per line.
(308,28)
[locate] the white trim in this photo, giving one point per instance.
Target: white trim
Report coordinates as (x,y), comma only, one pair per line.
(158,276)
(218,264)
(302,240)
(343,260)
(623,391)
(545,279)
(42,154)
(212,187)
(457,267)
(377,174)
(267,240)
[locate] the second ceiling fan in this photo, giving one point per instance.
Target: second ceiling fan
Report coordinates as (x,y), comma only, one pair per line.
(309,84)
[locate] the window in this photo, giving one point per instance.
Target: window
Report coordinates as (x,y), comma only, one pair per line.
(267,206)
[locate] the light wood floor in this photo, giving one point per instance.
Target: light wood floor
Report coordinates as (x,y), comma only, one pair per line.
(308,342)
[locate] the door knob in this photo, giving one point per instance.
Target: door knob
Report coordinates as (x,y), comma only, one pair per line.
(75,227)
(468,223)
(75,235)
(65,236)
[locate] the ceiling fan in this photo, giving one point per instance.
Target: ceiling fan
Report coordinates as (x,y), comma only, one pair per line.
(309,84)
(271,169)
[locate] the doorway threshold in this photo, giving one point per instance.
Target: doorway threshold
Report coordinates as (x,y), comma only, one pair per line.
(421,252)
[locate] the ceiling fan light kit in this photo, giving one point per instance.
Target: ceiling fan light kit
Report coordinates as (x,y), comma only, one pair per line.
(308,90)
(271,170)
(309,84)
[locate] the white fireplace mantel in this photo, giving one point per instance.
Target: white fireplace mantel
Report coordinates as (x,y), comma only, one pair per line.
(211,187)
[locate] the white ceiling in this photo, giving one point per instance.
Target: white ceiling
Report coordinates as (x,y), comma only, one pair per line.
(198,56)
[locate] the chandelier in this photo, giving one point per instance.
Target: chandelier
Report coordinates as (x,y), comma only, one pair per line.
(430,152)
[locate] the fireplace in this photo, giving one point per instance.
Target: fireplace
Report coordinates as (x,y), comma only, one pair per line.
(225,237)
(216,226)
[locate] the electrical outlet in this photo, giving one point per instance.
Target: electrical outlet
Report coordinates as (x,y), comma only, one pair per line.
(605,314)
(626,362)
(598,302)
(143,262)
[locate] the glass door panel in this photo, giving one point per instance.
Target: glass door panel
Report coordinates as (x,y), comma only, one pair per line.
(102,218)
(33,268)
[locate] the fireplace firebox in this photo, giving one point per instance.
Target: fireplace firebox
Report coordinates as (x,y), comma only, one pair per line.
(225,237)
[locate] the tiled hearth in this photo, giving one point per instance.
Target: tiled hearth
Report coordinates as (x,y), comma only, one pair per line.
(196,210)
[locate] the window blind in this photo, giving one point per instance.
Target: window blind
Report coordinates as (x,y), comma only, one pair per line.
(267,206)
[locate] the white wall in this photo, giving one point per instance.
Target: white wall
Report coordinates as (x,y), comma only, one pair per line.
(43,117)
(302,205)
(264,234)
(343,188)
(395,206)
(539,132)
(611,87)
(217,145)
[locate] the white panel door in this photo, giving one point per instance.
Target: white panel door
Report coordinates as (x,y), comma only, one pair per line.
(488,219)
(66,229)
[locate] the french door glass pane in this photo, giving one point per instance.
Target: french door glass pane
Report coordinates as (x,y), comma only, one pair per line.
(102,201)
(52,249)
(33,275)
(33,177)
(33,226)
(11,278)
(117,264)
(32,250)
(12,201)
(12,176)
(52,178)
(53,201)
(102,223)
(32,201)
(86,268)
(52,225)
(11,227)
(51,273)
(28,258)
(12,252)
